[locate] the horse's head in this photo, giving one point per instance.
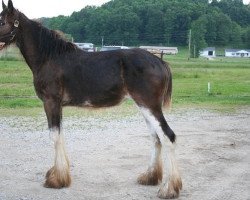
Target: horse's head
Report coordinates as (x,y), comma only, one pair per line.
(8,24)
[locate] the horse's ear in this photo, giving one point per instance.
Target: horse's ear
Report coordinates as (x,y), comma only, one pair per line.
(10,6)
(3,5)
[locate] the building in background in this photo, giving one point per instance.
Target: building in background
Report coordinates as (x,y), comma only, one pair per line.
(241,53)
(208,52)
(160,50)
(110,48)
(86,46)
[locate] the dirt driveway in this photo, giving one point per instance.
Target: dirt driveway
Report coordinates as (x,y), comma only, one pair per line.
(108,153)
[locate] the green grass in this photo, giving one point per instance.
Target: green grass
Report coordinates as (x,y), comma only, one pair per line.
(229,78)
(11,53)
(16,85)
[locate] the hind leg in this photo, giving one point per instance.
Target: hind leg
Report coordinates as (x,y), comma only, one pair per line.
(157,123)
(153,175)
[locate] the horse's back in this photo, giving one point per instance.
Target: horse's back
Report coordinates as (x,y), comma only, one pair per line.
(104,78)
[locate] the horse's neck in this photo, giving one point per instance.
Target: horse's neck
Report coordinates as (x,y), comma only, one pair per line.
(28,43)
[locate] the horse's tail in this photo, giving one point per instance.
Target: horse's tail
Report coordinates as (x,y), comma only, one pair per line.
(168,87)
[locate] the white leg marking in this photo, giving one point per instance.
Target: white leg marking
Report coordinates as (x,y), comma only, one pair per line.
(54,134)
(170,166)
(58,176)
(154,127)
(61,160)
(156,152)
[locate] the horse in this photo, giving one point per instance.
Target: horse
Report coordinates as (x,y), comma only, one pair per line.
(64,75)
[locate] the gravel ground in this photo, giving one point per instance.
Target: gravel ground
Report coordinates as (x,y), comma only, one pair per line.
(108,153)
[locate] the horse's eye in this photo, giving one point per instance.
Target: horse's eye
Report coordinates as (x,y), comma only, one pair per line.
(2,23)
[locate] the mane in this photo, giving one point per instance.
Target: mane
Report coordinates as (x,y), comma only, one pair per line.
(51,44)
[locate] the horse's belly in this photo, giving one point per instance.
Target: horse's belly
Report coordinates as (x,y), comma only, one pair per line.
(95,97)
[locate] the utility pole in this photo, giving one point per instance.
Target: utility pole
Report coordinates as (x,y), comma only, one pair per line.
(102,40)
(189,44)
(194,52)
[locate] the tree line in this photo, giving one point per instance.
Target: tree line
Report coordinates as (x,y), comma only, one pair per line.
(159,22)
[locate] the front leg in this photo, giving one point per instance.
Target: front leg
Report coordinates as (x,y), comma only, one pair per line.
(58,176)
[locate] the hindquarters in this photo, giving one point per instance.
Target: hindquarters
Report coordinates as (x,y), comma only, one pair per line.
(148,79)
(149,82)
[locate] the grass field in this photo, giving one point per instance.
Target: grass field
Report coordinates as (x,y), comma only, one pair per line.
(229,79)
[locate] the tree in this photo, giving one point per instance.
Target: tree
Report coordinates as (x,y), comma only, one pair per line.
(96,26)
(235,37)
(119,29)
(56,22)
(223,26)
(211,28)
(246,37)
(166,22)
(154,26)
(236,10)
(198,35)
(181,25)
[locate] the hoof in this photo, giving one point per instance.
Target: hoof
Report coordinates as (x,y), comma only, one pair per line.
(165,194)
(151,177)
(49,172)
(57,179)
(170,190)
